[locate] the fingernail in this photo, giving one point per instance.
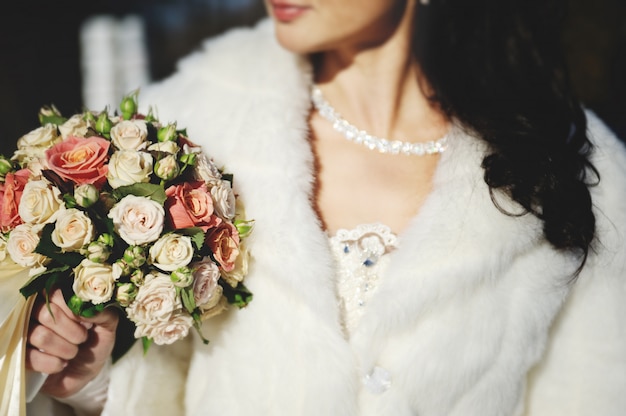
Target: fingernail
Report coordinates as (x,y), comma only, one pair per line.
(65,364)
(87,325)
(41,350)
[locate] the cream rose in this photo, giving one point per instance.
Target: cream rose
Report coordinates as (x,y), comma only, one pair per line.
(34,144)
(130,135)
(155,302)
(204,169)
(171,252)
(220,306)
(168,332)
(223,199)
(76,126)
(21,246)
(72,230)
(127,167)
(94,282)
(40,203)
(138,220)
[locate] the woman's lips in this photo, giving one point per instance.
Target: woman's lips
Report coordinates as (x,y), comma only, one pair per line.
(286,12)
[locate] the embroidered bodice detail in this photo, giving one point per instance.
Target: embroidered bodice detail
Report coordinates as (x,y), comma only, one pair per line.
(361,258)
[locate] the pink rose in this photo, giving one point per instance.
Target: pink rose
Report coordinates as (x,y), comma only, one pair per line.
(80,160)
(190,205)
(206,274)
(223,241)
(10,195)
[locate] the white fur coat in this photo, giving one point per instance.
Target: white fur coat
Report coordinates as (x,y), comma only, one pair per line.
(475,316)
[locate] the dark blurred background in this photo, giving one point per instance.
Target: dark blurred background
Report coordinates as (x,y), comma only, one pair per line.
(43,57)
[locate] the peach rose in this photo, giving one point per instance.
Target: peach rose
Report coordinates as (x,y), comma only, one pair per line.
(80,160)
(190,205)
(223,241)
(10,195)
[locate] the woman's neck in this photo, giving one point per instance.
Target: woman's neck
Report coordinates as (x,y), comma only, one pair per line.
(380,89)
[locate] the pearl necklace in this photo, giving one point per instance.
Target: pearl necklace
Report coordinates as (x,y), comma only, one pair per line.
(372,142)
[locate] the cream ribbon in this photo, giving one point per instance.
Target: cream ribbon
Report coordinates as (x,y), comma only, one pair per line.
(14,315)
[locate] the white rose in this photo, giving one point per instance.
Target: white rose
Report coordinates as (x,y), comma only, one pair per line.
(127,167)
(204,169)
(138,220)
(76,126)
(130,135)
(206,274)
(94,282)
(40,203)
(165,147)
(168,332)
(21,246)
(155,302)
(223,199)
(36,142)
(171,252)
(72,230)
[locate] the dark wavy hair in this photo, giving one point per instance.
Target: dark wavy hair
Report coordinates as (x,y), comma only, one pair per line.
(498,67)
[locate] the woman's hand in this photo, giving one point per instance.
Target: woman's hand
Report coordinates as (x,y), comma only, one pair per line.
(71,349)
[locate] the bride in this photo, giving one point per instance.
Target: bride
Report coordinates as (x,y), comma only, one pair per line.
(440,226)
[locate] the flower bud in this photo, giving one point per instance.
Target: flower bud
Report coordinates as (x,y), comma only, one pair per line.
(244,227)
(86,195)
(89,118)
(104,124)
(182,277)
(126,293)
(106,238)
(5,166)
(50,115)
(96,251)
(121,268)
(135,256)
(167,133)
(128,106)
(167,168)
(137,277)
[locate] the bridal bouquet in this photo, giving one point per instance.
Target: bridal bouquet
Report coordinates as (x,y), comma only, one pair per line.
(124,211)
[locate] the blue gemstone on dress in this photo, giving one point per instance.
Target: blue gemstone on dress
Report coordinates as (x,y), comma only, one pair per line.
(368,262)
(346,249)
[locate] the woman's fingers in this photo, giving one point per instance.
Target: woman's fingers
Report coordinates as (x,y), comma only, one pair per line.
(40,361)
(58,318)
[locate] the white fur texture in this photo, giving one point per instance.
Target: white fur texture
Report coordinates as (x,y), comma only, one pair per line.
(464,312)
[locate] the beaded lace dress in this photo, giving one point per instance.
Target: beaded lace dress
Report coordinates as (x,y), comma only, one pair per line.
(361,258)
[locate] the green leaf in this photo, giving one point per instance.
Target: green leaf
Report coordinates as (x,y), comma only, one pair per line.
(43,280)
(148,190)
(189,302)
(196,234)
(146,342)
(47,248)
(239,296)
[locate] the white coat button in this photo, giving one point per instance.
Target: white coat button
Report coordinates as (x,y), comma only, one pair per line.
(378,380)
